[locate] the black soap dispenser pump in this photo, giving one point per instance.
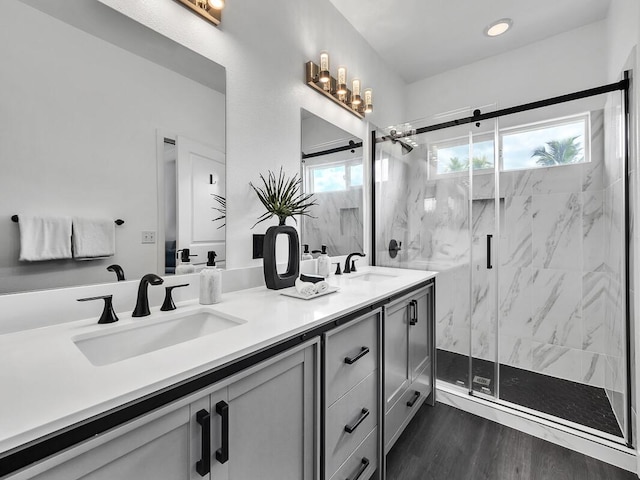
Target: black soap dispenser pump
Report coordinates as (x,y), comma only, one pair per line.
(184,265)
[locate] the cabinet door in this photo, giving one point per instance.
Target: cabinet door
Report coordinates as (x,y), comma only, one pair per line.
(155,450)
(420,334)
(396,355)
(272,416)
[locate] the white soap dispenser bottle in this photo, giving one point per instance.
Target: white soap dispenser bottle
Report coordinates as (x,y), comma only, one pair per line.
(184,265)
(324,263)
(306,255)
(210,282)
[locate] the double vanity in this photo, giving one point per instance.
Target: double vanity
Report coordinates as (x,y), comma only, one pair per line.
(260,385)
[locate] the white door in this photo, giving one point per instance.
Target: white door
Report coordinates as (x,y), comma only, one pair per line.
(200,177)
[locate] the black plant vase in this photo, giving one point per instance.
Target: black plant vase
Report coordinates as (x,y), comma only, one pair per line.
(272,278)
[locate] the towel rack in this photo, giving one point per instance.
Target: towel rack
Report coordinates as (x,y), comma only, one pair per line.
(119,221)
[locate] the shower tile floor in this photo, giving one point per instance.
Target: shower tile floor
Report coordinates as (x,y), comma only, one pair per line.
(571,401)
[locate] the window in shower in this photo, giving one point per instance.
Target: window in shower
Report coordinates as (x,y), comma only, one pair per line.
(551,143)
(452,155)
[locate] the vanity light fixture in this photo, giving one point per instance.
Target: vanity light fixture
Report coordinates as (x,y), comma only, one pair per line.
(210,10)
(319,78)
(498,27)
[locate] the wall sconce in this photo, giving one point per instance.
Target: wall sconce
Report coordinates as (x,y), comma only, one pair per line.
(319,78)
(210,10)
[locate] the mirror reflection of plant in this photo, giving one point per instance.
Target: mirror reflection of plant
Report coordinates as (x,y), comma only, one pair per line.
(560,152)
(222,209)
(282,197)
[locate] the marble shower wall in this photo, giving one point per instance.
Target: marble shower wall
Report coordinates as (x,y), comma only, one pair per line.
(552,280)
(559,308)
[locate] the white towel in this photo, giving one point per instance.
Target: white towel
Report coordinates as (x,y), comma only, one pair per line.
(93,238)
(305,288)
(321,286)
(44,238)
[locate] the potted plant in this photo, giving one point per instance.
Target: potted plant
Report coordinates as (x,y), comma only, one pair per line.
(281,196)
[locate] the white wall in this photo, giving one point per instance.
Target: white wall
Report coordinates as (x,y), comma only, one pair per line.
(264,46)
(565,63)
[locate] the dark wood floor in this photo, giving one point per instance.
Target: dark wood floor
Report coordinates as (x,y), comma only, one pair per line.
(444,443)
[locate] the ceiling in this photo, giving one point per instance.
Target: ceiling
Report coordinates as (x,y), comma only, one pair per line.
(421,38)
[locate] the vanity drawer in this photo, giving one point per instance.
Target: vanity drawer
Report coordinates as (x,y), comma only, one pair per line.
(351,354)
(364,461)
(402,411)
(357,410)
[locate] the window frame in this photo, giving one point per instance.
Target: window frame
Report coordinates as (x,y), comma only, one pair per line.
(502,132)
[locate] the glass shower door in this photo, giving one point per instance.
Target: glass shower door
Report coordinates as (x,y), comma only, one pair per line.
(485,212)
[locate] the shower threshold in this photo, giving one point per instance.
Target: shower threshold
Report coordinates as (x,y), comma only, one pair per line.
(571,401)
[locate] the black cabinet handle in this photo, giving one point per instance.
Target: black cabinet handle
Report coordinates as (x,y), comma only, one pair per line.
(414,399)
(203,466)
(413,306)
(222,454)
(352,428)
(363,466)
(489,239)
(352,360)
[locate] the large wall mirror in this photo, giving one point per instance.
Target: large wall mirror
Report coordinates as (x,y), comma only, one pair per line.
(332,169)
(96,112)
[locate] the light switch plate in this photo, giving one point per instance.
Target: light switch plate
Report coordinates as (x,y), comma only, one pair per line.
(148,237)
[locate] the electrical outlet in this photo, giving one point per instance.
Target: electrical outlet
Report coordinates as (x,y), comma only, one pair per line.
(148,237)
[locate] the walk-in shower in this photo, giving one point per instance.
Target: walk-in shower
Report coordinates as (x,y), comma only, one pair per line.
(523,213)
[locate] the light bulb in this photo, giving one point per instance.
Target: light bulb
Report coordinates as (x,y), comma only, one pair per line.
(355,92)
(216,4)
(341,88)
(324,76)
(368,100)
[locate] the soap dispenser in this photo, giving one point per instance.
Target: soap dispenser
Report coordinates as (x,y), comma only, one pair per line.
(184,265)
(210,281)
(306,255)
(324,263)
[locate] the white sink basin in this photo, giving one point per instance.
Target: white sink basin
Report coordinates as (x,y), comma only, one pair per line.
(371,277)
(140,338)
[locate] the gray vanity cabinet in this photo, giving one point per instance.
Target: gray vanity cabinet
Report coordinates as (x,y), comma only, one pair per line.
(351,398)
(408,363)
(271,432)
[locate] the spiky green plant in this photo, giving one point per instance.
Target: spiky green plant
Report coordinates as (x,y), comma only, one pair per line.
(281,197)
(560,152)
(222,209)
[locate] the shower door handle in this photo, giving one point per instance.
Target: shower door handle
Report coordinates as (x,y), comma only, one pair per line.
(489,241)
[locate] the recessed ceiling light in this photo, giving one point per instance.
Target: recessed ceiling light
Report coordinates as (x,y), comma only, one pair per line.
(498,27)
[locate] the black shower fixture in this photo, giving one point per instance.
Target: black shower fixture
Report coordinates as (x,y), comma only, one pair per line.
(394,137)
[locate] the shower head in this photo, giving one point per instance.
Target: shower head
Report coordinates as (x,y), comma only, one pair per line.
(406,148)
(394,137)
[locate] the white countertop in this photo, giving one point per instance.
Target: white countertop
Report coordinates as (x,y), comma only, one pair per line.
(48,383)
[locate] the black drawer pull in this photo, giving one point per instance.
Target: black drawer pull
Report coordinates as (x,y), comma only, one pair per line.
(414,399)
(489,263)
(352,360)
(203,466)
(351,428)
(222,454)
(361,469)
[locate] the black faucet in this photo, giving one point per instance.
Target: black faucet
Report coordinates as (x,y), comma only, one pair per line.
(117,269)
(347,264)
(142,304)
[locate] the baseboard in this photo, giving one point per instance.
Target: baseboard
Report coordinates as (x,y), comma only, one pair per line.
(601,449)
